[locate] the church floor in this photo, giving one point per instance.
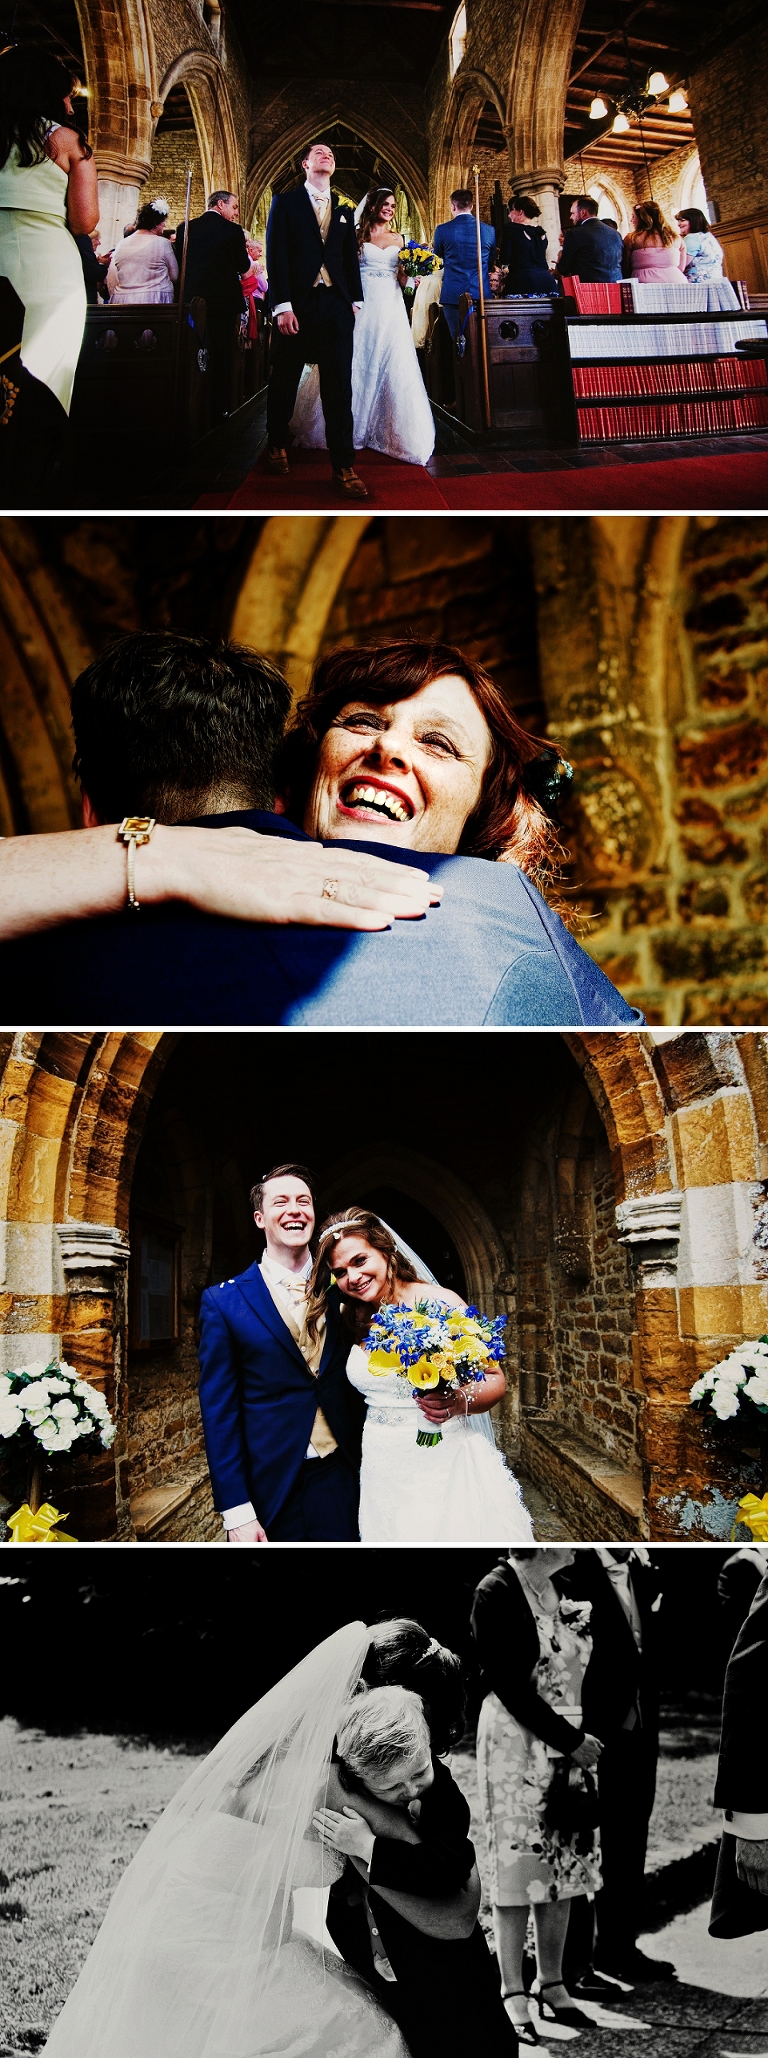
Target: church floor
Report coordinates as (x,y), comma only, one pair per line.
(224,471)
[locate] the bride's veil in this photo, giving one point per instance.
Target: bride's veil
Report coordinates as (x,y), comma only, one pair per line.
(191,1949)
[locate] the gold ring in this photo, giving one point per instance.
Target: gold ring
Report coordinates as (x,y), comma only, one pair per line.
(330,889)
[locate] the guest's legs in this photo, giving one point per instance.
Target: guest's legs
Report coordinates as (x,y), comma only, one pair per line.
(626,1784)
(335,338)
(550,1923)
(450,309)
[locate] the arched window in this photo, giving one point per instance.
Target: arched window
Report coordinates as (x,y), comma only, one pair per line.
(457,39)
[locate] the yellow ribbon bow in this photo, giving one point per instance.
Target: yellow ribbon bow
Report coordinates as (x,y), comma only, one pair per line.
(40,1528)
(754,1514)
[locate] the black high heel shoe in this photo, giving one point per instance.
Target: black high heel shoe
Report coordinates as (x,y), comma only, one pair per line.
(526,2032)
(571,2018)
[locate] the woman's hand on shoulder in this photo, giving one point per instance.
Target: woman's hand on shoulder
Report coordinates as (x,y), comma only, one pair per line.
(250,877)
(347,1832)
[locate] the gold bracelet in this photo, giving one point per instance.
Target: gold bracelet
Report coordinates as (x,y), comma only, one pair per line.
(133,831)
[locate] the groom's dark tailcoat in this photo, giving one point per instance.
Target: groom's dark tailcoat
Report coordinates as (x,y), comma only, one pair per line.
(258,1402)
(742,1772)
(620,1705)
(295,254)
(445,1995)
(492,953)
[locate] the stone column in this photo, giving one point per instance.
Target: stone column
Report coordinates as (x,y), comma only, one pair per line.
(120,184)
(692,1479)
(94,1339)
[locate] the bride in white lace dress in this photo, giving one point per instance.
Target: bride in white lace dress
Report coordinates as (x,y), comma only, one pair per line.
(390,408)
(459,1490)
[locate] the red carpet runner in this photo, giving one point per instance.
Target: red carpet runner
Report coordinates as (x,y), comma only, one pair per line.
(405,488)
(716,484)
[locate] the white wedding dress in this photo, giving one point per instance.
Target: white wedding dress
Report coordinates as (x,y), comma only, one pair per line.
(390,409)
(457,1491)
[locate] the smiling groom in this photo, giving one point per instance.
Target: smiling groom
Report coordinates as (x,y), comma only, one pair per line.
(283,1426)
(314,290)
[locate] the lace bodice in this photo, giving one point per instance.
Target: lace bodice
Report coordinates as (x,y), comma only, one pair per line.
(379,264)
(384,1393)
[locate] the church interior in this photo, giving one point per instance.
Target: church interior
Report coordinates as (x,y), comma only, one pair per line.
(550,99)
(639,646)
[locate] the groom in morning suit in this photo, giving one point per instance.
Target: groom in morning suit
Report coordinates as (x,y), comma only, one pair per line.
(283,1427)
(314,289)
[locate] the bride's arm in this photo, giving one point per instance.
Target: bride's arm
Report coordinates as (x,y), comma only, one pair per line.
(78,873)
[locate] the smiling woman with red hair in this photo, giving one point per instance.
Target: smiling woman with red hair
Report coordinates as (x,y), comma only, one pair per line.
(416,740)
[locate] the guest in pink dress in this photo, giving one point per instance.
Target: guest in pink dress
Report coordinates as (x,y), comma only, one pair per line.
(653,251)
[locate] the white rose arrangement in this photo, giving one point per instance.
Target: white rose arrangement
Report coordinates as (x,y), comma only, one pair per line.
(738,1386)
(55,1405)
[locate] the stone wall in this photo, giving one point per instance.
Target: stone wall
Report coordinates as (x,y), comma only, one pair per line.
(729,105)
(172,152)
(462,582)
(658,696)
(592,1387)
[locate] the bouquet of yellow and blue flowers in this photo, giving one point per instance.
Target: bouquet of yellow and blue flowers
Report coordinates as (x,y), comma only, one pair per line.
(434,1348)
(417,261)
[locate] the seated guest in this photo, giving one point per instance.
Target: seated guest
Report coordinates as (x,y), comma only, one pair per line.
(524,250)
(217,260)
(703,261)
(653,252)
(591,249)
(406,752)
(143,268)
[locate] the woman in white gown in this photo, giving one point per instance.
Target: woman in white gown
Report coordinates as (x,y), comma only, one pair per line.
(200,1954)
(459,1490)
(390,409)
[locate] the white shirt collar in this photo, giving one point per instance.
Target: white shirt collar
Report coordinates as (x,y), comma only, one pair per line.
(280,1276)
(315,194)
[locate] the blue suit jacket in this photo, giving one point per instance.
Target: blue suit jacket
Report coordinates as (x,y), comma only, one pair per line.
(492,954)
(258,1400)
(456,242)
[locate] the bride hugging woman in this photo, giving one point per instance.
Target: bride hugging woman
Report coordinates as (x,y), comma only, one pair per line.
(390,408)
(456,1491)
(202,1953)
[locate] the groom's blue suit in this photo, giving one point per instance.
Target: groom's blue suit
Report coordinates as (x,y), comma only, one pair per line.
(258,1401)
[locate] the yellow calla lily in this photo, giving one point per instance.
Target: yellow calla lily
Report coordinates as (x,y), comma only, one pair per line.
(424,1373)
(382,1362)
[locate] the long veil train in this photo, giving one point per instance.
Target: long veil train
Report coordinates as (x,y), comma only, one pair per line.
(188,1961)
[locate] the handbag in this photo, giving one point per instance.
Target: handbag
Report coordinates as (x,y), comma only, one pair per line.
(573,1812)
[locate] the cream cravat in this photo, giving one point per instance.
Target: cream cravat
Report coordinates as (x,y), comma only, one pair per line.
(323,208)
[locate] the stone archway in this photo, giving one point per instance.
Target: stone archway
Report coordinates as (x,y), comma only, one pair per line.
(203,79)
(471,88)
(483,1256)
(293,131)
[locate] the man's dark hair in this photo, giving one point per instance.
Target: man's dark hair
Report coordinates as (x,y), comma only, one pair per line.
(216,197)
(317,143)
(165,723)
(586,203)
(462,197)
(281,1172)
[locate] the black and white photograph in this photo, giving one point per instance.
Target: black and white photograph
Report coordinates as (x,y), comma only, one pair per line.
(406,1803)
